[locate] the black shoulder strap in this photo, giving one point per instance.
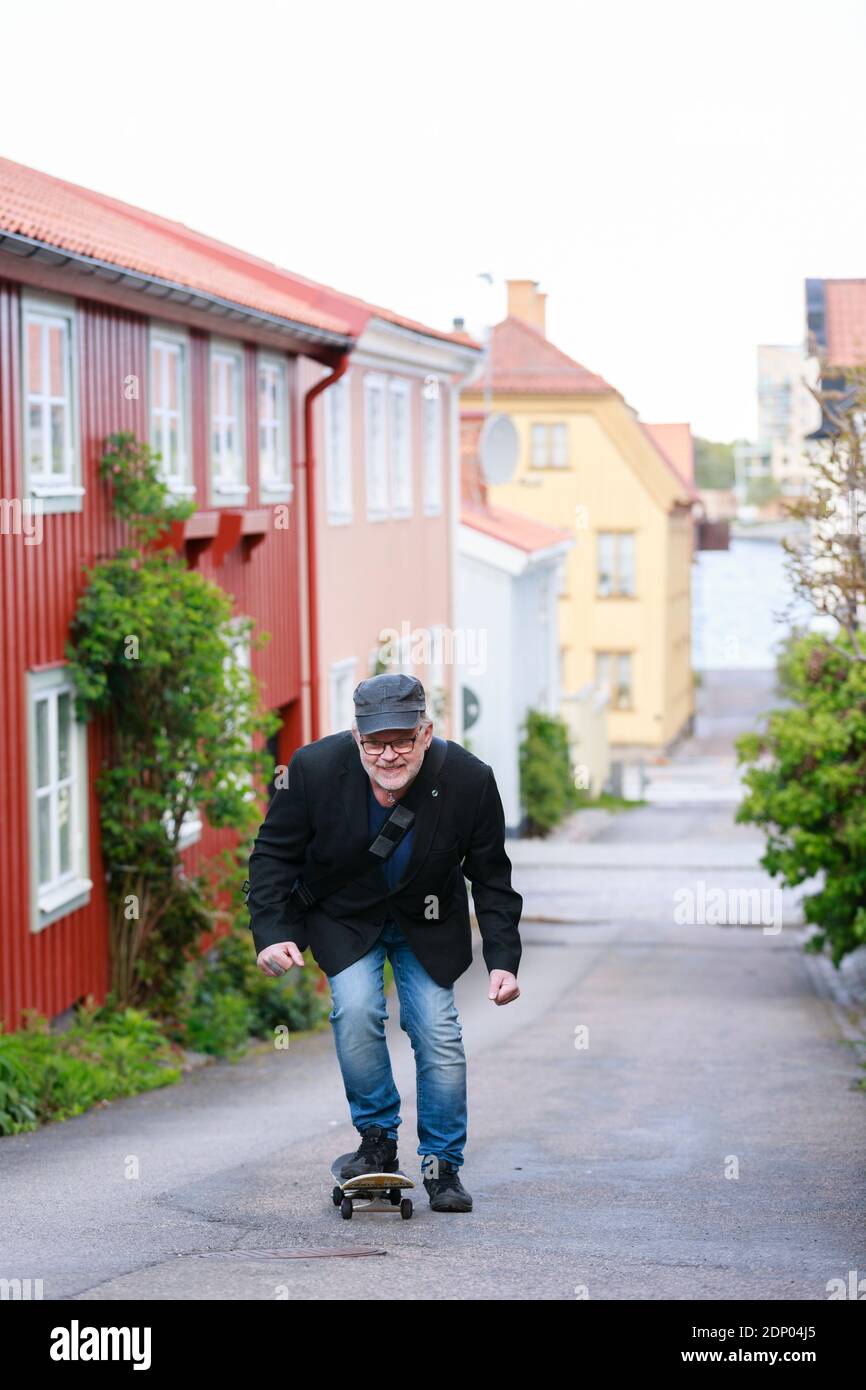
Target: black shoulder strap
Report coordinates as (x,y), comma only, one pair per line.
(304,895)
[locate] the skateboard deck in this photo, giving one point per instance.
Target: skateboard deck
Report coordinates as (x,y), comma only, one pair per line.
(377,1191)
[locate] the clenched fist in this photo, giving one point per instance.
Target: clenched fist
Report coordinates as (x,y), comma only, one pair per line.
(277,959)
(503,987)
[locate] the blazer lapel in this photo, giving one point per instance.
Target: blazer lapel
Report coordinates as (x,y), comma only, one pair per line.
(353,787)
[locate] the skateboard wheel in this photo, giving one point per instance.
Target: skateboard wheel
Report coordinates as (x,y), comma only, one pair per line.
(394,1196)
(406,1208)
(346,1208)
(337,1196)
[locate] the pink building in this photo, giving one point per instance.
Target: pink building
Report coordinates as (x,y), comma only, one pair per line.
(386,509)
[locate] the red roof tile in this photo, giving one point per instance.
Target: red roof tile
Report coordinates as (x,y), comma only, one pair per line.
(80,220)
(845,304)
(659,436)
(520,531)
(525,363)
(326,294)
(675,440)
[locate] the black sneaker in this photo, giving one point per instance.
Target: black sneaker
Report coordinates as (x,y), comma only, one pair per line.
(446,1191)
(376,1154)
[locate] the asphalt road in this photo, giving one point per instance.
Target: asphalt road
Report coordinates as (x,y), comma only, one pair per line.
(706,1144)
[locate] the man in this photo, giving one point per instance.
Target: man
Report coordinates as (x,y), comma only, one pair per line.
(412,907)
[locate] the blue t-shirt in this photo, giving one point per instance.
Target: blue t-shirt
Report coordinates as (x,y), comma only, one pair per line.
(397,862)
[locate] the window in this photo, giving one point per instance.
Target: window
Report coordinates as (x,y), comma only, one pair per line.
(374,432)
(275,469)
(238,656)
(343,685)
(57,764)
(228,466)
(431,423)
(190,826)
(52,453)
(169,407)
(549,446)
(338,456)
(401,448)
(613,670)
(238,652)
(615,564)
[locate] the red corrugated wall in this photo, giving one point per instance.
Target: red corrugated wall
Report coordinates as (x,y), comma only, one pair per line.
(39,587)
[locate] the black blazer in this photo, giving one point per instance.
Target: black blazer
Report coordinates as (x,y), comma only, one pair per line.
(319,821)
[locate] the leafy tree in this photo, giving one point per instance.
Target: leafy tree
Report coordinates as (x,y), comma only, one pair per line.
(806,770)
(714,464)
(759,491)
(827,560)
(807,786)
(150,649)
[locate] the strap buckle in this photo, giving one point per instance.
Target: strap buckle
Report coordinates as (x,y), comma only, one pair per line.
(392,831)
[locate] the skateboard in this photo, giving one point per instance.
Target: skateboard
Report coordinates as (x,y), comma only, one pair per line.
(378,1191)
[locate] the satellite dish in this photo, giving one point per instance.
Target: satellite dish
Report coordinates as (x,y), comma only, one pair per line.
(498,448)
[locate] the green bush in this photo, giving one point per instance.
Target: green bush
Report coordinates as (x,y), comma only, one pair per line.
(227,999)
(806,780)
(52,1076)
(547,788)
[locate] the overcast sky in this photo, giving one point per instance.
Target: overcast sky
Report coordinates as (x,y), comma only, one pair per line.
(669,172)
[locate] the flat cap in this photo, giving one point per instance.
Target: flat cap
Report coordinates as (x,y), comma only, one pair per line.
(388,701)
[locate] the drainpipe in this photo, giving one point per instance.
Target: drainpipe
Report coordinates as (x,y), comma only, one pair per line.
(456,386)
(312,568)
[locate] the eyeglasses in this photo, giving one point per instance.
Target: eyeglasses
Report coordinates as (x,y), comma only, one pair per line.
(374,747)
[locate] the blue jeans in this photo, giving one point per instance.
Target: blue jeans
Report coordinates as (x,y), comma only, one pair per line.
(429,1016)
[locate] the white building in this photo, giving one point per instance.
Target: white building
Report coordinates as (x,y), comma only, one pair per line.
(510,573)
(787,413)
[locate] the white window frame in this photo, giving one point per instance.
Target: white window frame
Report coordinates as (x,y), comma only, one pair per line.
(66,892)
(228,492)
(616,569)
(275,486)
(559,436)
(604,666)
(338,452)
(192,824)
(174,340)
(376,467)
(400,450)
(190,827)
(431,431)
(555,432)
(55,493)
(339,672)
(239,651)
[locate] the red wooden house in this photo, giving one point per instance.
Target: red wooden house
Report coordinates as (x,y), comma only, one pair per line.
(112,318)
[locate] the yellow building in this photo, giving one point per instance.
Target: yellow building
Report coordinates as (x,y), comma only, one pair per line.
(587,462)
